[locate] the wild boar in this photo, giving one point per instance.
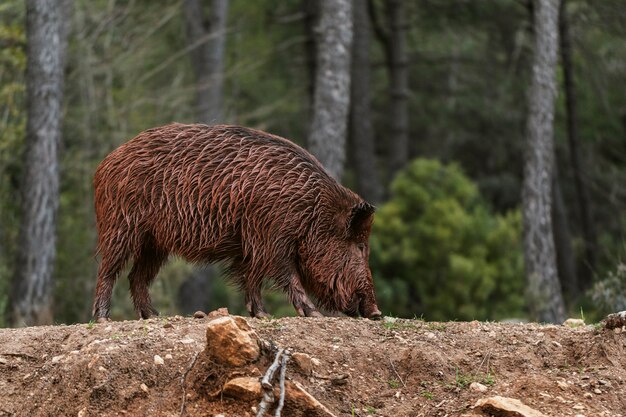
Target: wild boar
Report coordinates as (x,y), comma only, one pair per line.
(257,202)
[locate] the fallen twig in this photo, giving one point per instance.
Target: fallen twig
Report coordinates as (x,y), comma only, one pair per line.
(182,382)
(283,372)
(266,384)
(396,372)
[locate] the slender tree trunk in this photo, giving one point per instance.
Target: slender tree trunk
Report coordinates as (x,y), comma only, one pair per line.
(361,131)
(565,260)
(32,290)
(398,87)
(545,299)
(331,100)
(208,38)
(311,15)
(582,194)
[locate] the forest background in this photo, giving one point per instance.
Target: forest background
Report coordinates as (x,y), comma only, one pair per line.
(436,135)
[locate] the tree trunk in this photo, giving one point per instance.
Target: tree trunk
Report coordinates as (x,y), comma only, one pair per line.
(32,290)
(331,100)
(545,299)
(361,131)
(207,38)
(582,194)
(398,87)
(565,260)
(310,9)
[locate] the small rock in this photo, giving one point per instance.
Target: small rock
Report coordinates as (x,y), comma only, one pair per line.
(231,342)
(245,388)
(574,323)
(604,382)
(158,360)
(187,341)
(597,391)
(220,312)
(143,387)
(82,412)
(301,399)
(562,384)
(578,407)
(3,361)
(304,362)
(588,395)
(168,356)
(56,359)
(615,320)
(477,386)
(389,319)
(199,315)
(168,325)
(506,407)
(340,379)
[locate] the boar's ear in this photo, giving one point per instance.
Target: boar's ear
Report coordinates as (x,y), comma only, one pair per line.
(360,221)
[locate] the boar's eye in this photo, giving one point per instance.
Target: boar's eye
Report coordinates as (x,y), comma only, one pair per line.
(361,247)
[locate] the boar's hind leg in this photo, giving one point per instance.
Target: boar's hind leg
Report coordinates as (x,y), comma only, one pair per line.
(299,299)
(110,266)
(145,268)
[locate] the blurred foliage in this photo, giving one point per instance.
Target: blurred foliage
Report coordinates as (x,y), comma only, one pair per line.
(445,253)
(438,251)
(609,294)
(12,130)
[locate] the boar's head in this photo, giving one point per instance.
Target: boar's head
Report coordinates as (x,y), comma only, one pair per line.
(334,260)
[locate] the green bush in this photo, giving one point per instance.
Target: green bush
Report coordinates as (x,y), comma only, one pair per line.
(438,251)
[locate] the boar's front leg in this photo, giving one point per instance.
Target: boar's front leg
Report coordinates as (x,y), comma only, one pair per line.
(299,299)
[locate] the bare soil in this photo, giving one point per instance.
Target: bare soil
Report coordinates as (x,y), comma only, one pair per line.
(384,368)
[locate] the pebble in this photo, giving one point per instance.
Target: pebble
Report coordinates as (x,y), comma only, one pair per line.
(588,395)
(158,360)
(168,356)
(573,323)
(143,387)
(597,391)
(477,386)
(199,315)
(168,325)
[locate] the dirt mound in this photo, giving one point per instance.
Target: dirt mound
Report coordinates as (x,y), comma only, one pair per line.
(157,367)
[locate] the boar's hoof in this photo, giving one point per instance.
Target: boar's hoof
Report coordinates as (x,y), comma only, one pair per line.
(103,320)
(147,312)
(314,313)
(376,315)
(261,315)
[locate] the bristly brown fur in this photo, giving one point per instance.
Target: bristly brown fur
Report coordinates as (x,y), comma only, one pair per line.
(228,193)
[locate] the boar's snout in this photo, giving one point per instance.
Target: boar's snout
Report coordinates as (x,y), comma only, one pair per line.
(372,313)
(364,307)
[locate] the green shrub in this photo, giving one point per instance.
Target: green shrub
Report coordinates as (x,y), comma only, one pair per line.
(437,251)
